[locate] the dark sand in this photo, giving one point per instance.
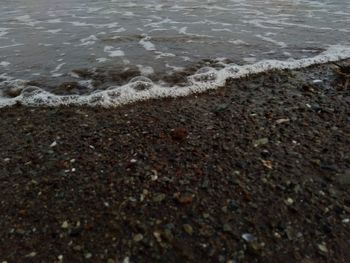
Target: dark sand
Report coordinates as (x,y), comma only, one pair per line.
(256,171)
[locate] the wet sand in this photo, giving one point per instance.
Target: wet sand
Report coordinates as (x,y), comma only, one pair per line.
(256,171)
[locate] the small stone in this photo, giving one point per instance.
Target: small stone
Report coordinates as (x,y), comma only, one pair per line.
(221,258)
(179,134)
(168,235)
(88,255)
(221,107)
(279,121)
(65,225)
(276,235)
(345,220)
(345,178)
(232,205)
(267,163)
(188,229)
(289,201)
(159,197)
(227,228)
(53,144)
(206,215)
(154,177)
(184,198)
(170,226)
(126,260)
(60,257)
(138,237)
(31,254)
(157,236)
(254,247)
(322,248)
(77,248)
(249,237)
(260,142)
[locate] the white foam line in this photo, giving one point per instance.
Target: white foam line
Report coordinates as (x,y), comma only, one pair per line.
(58,68)
(14,45)
(271,40)
(120,95)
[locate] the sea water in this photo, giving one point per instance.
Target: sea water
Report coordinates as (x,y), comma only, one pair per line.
(115,51)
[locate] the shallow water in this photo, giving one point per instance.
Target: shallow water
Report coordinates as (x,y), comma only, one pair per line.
(93,42)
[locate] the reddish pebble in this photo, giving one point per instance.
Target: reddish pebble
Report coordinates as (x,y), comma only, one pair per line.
(179,134)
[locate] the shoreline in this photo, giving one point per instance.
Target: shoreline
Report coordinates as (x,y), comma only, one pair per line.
(195,79)
(255,171)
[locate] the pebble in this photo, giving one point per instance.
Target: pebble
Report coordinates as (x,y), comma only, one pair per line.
(249,237)
(157,236)
(159,198)
(138,237)
(31,255)
(179,134)
(232,205)
(88,255)
(345,178)
(346,220)
(280,121)
(277,235)
(77,248)
(53,144)
(168,235)
(126,260)
(267,163)
(260,142)
(322,248)
(65,225)
(184,198)
(289,201)
(188,229)
(227,228)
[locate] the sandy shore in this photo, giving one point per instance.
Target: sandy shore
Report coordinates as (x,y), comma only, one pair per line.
(256,171)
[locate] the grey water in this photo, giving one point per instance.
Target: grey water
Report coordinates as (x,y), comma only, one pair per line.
(48,40)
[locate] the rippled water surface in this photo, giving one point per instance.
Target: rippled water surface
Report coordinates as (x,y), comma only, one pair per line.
(53,42)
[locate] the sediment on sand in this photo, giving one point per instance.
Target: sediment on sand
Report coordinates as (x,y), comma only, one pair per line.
(255,171)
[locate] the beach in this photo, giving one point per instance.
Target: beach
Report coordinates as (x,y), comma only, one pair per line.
(257,170)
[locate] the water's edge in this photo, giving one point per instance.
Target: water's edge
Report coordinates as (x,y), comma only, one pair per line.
(142,88)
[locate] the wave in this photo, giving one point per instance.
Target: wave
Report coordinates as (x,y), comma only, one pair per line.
(141,88)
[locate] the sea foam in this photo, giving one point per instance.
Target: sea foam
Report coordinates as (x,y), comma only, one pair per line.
(141,88)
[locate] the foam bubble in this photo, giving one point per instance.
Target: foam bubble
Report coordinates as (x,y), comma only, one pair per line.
(205,74)
(140,83)
(147,44)
(112,52)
